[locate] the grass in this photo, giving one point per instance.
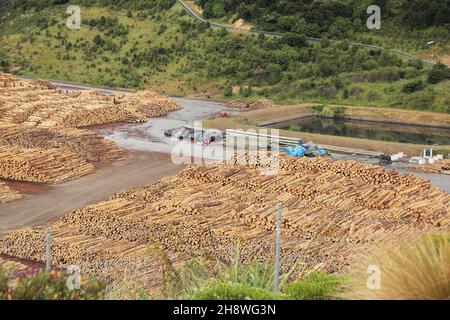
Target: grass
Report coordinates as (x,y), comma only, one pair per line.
(419,271)
(234,291)
(200,279)
(34,284)
(317,286)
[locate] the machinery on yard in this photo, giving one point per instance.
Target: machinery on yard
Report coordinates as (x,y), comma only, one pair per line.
(186,133)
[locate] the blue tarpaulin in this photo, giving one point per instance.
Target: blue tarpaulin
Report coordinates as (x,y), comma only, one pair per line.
(305,150)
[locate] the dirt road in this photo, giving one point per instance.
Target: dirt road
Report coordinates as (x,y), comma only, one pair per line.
(41,205)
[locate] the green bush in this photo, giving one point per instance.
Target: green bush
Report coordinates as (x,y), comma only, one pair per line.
(32,284)
(339,112)
(234,291)
(228,92)
(413,86)
(439,72)
(255,275)
(317,286)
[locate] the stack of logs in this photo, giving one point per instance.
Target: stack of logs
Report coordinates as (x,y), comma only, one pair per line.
(88,145)
(258,104)
(442,166)
(41,165)
(39,104)
(41,134)
(334,212)
(150,103)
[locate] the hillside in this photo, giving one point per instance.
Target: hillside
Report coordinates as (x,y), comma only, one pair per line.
(156,45)
(406,25)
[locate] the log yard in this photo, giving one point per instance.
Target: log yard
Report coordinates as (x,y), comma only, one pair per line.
(224,150)
(335,211)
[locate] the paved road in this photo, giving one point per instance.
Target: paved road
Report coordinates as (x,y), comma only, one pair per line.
(150,137)
(193,14)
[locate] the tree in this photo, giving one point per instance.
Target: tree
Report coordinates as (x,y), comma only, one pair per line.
(439,72)
(98,41)
(413,86)
(228,92)
(345,93)
(294,39)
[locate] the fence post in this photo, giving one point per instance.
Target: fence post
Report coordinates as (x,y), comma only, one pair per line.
(277,250)
(48,248)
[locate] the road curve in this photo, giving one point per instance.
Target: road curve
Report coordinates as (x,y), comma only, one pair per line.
(194,15)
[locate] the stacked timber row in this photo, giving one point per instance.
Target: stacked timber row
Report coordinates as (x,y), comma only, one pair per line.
(41,127)
(41,165)
(442,166)
(105,258)
(7,194)
(150,103)
(85,143)
(39,104)
(258,104)
(331,217)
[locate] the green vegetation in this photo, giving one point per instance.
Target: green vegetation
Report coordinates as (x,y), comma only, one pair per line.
(317,286)
(200,280)
(234,291)
(314,286)
(439,72)
(155,45)
(33,284)
(405,24)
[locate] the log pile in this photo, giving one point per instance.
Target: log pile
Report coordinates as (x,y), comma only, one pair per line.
(88,145)
(442,166)
(262,104)
(38,104)
(41,165)
(238,104)
(334,211)
(258,104)
(46,122)
(150,103)
(7,194)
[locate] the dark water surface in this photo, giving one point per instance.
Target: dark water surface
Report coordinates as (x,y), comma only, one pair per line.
(371,130)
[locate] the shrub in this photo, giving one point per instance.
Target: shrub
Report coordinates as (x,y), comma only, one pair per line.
(294,39)
(328,92)
(439,72)
(317,286)
(228,91)
(372,95)
(414,272)
(255,275)
(345,94)
(234,291)
(356,91)
(413,86)
(338,112)
(423,100)
(417,64)
(32,284)
(317,108)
